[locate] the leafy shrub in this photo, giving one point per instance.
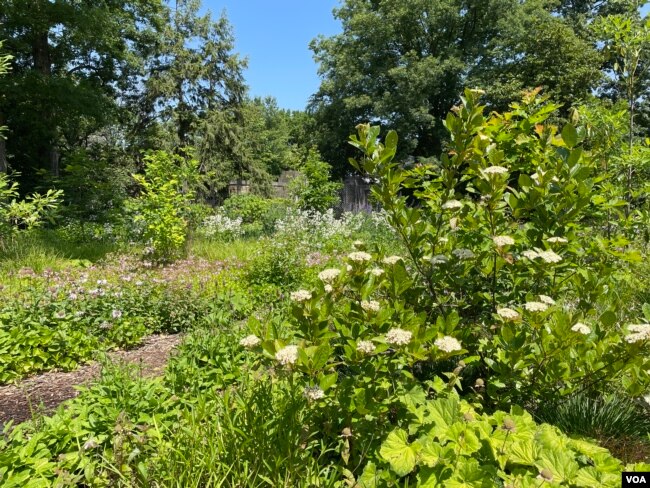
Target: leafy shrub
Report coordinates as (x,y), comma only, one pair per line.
(23,214)
(247,207)
(313,189)
(165,192)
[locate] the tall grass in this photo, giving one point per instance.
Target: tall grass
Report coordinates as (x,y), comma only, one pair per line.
(212,250)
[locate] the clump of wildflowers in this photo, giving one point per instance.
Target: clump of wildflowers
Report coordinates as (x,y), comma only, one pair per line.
(313,393)
(250,341)
(329,275)
(398,337)
(370,305)
(639,332)
(448,344)
(581,328)
(508,313)
(391,260)
(287,355)
(535,306)
(366,347)
(300,296)
(502,241)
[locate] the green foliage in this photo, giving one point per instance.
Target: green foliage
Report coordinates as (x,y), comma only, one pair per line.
(501,227)
(258,215)
(456,446)
(437,49)
(166,190)
(313,189)
(602,418)
(23,214)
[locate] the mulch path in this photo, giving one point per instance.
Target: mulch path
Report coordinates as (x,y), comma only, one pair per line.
(44,392)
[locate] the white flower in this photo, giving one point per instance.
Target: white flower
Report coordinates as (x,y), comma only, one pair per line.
(391,260)
(398,337)
(530,254)
(102,282)
(443,240)
(328,288)
(507,313)
(452,205)
(329,275)
(550,257)
(250,341)
(314,393)
(287,355)
(501,241)
(448,344)
(640,332)
(546,299)
(439,259)
(60,314)
(300,296)
(495,170)
(535,306)
(370,306)
(463,253)
(581,328)
(72,296)
(359,257)
(139,283)
(358,244)
(560,240)
(453,223)
(376,272)
(366,347)
(348,268)
(116,314)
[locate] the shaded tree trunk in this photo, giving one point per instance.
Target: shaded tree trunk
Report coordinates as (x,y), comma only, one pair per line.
(43,66)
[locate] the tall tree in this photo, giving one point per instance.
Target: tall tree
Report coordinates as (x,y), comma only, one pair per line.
(404,63)
(71,60)
(4,68)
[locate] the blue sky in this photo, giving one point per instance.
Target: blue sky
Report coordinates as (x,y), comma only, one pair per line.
(275,36)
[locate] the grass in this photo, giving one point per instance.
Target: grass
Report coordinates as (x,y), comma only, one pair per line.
(46,249)
(618,423)
(240,250)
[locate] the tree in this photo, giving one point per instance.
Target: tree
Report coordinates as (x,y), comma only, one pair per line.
(4,68)
(404,63)
(71,59)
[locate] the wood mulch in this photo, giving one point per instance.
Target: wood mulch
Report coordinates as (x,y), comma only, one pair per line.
(44,392)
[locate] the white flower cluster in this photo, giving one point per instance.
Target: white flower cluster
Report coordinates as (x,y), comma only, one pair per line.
(557,240)
(581,328)
(366,347)
(370,305)
(359,257)
(547,256)
(639,332)
(398,337)
(495,170)
(376,272)
(501,241)
(309,226)
(448,344)
(391,260)
(463,253)
(313,393)
(508,313)
(250,341)
(535,306)
(287,355)
(329,275)
(546,299)
(220,226)
(452,205)
(300,296)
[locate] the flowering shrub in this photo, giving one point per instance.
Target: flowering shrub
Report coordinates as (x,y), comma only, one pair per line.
(220,227)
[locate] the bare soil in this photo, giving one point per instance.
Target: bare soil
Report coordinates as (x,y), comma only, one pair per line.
(44,392)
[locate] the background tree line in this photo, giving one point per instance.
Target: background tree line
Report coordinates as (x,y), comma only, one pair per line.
(93,84)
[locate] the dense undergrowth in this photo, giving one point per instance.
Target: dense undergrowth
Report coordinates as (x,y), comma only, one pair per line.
(482,330)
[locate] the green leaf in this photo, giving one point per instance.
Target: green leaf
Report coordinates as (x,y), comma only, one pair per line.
(569,136)
(608,318)
(397,452)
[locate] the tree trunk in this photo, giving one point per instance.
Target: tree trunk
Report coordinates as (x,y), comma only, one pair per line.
(43,66)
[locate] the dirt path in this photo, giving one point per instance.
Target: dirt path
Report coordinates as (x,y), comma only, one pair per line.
(44,392)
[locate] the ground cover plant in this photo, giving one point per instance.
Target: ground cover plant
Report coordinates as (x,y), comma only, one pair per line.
(454,339)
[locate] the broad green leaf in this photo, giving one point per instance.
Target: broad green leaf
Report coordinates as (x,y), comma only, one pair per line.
(396,451)
(569,135)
